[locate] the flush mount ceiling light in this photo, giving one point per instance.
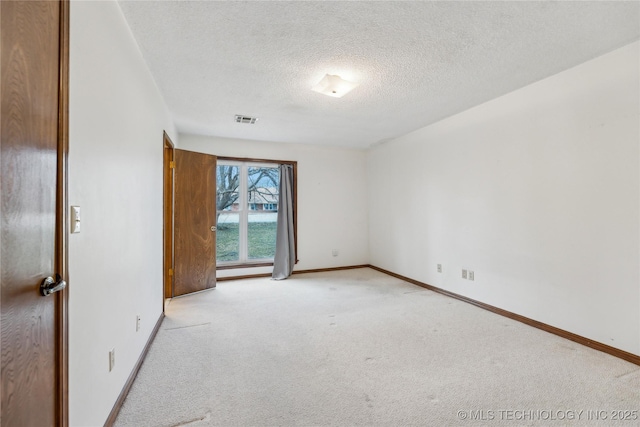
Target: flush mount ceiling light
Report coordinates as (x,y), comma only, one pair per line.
(333,85)
(246,119)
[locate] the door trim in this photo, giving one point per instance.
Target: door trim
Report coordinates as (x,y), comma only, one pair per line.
(62,235)
(168,259)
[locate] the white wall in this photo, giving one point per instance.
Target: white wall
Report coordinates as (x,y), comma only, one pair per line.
(332,199)
(536,191)
(115,175)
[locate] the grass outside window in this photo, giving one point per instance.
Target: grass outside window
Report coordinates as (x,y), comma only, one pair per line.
(261,241)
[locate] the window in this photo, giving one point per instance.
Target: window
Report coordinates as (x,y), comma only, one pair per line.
(247,210)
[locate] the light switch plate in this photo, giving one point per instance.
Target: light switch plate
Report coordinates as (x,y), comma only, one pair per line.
(75,219)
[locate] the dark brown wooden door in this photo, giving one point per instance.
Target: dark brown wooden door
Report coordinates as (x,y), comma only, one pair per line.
(31,124)
(195,215)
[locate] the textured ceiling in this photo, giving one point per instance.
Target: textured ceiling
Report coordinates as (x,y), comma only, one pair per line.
(415,62)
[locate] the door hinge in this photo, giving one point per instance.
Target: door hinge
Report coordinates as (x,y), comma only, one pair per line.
(172,165)
(171,272)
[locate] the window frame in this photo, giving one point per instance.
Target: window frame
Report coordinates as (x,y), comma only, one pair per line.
(261,162)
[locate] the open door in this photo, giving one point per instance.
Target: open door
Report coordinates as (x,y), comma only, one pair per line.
(195,222)
(34,67)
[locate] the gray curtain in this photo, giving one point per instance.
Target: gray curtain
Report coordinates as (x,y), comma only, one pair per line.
(285,257)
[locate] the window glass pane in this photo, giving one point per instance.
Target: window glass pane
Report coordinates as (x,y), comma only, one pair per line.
(264,178)
(262,188)
(228,182)
(228,237)
(261,234)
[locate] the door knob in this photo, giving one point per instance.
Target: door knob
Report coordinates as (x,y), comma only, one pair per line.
(49,286)
(213,228)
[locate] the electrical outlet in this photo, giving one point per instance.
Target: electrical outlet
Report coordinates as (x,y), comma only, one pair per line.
(439,268)
(137,323)
(112,359)
(335,252)
(471,275)
(464,273)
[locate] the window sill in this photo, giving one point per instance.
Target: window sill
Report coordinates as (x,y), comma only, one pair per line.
(245,265)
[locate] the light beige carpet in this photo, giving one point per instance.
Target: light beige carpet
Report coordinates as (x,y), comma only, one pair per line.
(358,347)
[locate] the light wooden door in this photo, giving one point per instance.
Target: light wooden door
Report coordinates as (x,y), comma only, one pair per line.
(195,221)
(33,65)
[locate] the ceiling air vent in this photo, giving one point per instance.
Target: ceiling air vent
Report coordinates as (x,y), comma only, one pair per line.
(246,119)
